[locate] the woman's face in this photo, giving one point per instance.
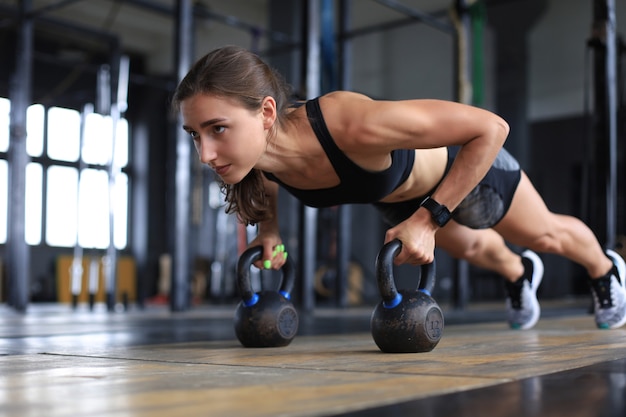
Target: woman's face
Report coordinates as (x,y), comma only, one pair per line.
(228,137)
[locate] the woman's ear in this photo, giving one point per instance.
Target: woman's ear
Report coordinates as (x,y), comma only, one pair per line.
(269,112)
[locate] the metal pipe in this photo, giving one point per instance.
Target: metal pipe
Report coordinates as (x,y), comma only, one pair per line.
(18,269)
(313,72)
(464,94)
(63,25)
(463,53)
(50,7)
(111,252)
(180,288)
(203,12)
(426,18)
(76,274)
(611,120)
(308,214)
(394,24)
(345,45)
(602,170)
(344,212)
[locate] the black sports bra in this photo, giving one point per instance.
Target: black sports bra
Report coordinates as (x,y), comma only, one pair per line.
(357,185)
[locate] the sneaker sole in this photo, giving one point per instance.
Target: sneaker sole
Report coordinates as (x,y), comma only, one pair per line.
(618,261)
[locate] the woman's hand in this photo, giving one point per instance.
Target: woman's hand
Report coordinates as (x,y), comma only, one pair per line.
(417,234)
(274,254)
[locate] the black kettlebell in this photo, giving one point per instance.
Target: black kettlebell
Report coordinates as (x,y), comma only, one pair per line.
(266,318)
(405,321)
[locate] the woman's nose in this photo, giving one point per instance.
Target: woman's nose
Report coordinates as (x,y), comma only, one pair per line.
(206,152)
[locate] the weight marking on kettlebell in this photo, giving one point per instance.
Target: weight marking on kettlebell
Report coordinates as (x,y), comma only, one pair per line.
(287,323)
(434,324)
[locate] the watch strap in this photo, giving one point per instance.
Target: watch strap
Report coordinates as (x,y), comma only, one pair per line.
(440,213)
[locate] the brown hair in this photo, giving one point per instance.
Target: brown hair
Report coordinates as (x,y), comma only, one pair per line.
(234,72)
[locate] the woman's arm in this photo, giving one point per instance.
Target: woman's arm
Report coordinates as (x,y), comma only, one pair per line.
(268,231)
(377,127)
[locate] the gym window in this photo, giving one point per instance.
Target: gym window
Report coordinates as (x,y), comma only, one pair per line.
(67,183)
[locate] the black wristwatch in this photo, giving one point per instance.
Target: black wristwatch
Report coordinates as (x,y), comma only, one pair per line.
(440,213)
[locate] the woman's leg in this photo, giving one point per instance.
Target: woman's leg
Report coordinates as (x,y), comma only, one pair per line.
(530,224)
(483,248)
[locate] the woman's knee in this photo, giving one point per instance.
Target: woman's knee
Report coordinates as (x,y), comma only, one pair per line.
(547,243)
(474,244)
(559,233)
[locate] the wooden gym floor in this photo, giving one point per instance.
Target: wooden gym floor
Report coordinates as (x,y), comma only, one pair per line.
(58,362)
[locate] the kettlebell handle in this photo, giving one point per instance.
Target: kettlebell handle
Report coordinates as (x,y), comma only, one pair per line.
(386,281)
(244,285)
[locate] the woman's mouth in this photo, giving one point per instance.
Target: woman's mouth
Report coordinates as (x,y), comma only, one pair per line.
(221,170)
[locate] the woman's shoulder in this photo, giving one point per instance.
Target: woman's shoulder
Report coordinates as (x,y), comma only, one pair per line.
(345,107)
(346,115)
(344,96)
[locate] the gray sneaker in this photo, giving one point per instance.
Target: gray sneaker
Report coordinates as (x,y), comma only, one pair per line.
(609,295)
(522,307)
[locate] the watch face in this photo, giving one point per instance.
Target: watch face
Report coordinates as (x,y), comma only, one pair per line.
(441,215)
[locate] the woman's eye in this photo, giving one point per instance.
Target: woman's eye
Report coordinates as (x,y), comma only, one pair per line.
(219,129)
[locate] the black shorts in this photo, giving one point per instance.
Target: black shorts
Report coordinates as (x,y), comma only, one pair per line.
(483,207)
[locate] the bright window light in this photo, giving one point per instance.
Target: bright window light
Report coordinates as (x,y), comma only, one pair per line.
(63,134)
(34,129)
(76,208)
(93,200)
(98,140)
(4,196)
(34,196)
(94,222)
(62,205)
(5,108)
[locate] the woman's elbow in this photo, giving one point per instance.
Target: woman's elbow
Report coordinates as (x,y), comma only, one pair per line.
(502,129)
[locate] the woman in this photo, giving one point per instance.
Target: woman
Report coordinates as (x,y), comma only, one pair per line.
(435,169)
